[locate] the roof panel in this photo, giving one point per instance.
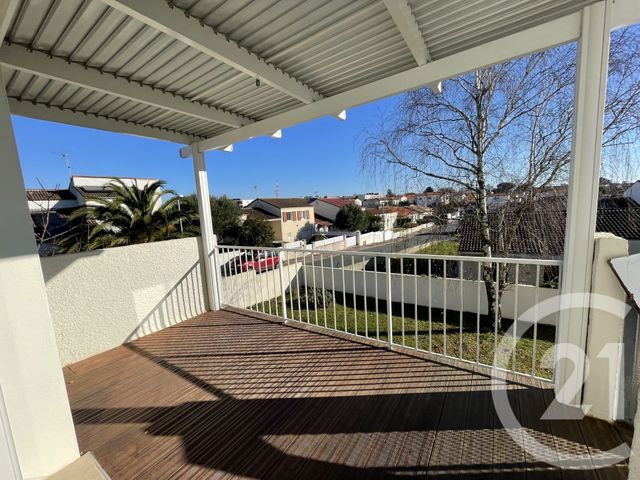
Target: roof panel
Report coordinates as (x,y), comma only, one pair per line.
(331,46)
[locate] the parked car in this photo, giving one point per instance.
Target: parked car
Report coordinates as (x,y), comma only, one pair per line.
(258,261)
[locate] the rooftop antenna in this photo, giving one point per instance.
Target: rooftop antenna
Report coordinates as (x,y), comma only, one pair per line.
(277,190)
(255,189)
(65,157)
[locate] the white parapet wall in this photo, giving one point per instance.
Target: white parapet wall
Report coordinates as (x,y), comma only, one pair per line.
(604,384)
(104,298)
(468,295)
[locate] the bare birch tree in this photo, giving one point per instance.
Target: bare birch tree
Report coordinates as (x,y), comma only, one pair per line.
(510,122)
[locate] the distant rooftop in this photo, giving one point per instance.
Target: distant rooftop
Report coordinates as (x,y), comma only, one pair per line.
(258,213)
(337,202)
(284,202)
(542,232)
(48,195)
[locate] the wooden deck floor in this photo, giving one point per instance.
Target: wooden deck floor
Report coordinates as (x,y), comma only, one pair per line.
(228,395)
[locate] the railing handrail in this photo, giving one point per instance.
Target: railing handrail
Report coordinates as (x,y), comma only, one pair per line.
(461,258)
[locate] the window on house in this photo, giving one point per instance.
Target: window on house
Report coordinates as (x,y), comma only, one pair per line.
(305,215)
(288,216)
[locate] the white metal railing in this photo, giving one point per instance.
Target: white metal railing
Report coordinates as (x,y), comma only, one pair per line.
(432,303)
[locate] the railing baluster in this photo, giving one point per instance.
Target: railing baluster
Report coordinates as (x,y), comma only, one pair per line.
(478,307)
(415,299)
(270,275)
(535,324)
(364,286)
(333,293)
(389,304)
(515,318)
(344,294)
(355,297)
(231,277)
(460,276)
(402,300)
(324,303)
(262,286)
(315,291)
(430,318)
(375,272)
(298,286)
(246,302)
(306,285)
(251,277)
(444,310)
(282,284)
(291,315)
(496,304)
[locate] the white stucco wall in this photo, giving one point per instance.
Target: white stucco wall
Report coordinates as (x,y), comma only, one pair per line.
(603,388)
(101,299)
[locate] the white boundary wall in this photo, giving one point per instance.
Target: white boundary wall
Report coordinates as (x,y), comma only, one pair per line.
(471,290)
(104,298)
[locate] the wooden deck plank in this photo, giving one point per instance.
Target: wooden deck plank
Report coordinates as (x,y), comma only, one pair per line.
(228,395)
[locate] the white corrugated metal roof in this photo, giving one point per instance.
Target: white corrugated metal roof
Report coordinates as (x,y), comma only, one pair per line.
(328,47)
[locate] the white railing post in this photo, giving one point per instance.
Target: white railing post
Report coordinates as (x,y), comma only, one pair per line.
(206,228)
(283,288)
(589,102)
(217,270)
(389,305)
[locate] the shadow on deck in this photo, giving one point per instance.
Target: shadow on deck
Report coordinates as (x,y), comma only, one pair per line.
(225,394)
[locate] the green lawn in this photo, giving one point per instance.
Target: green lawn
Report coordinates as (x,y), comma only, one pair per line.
(429,335)
(445,247)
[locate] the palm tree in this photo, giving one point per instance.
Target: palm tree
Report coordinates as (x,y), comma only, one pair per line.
(133,215)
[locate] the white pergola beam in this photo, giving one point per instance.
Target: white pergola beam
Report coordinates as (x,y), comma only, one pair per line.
(624,13)
(190,31)
(54,114)
(402,16)
(54,68)
(541,37)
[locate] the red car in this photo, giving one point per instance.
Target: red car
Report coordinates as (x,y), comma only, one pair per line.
(258,261)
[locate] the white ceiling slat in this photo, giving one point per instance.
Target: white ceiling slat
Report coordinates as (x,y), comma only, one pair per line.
(54,114)
(402,16)
(54,68)
(541,37)
(174,23)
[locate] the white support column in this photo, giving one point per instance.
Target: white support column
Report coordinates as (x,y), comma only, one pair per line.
(590,92)
(207,238)
(30,372)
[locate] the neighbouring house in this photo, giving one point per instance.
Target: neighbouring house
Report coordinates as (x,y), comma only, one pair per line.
(371,200)
(389,217)
(496,201)
(433,199)
(540,234)
(291,218)
(242,202)
(633,192)
(50,208)
(395,216)
(326,208)
(421,212)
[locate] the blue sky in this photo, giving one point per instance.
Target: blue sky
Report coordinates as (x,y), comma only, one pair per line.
(319,157)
